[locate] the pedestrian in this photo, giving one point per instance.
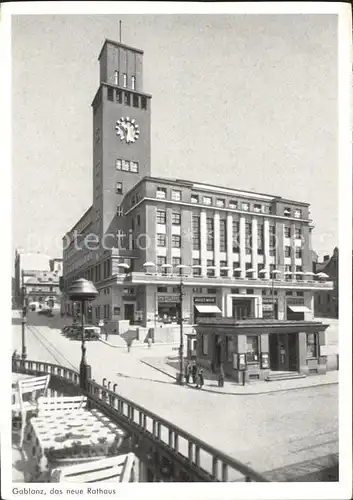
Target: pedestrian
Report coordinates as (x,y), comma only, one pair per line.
(221,377)
(186,373)
(149,342)
(194,372)
(200,378)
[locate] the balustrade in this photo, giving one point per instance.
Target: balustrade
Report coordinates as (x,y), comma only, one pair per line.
(160,427)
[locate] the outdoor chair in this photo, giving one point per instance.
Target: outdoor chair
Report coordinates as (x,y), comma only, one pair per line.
(29,390)
(62,403)
(114,469)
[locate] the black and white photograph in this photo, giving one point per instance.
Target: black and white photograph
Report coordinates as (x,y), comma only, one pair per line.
(179,188)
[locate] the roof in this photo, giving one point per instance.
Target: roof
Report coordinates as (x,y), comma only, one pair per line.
(120,45)
(260,325)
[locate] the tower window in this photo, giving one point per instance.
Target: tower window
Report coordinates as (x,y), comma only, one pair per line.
(143,102)
(133,83)
(110,94)
(118,164)
(119,188)
(134,167)
(125,80)
(116,77)
(126,166)
(135,101)
(119,96)
(127,98)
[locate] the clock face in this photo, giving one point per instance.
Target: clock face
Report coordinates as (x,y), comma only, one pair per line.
(127,129)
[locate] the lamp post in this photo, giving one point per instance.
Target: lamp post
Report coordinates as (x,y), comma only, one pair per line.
(82,291)
(24,317)
(181,346)
(274,273)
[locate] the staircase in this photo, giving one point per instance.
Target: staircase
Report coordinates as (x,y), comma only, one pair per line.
(276,376)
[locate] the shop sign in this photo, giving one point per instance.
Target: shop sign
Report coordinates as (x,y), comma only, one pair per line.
(129,297)
(204,300)
(295,301)
(168,298)
(267,307)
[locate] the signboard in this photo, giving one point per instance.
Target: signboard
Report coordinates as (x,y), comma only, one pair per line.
(295,301)
(116,311)
(267,307)
(204,300)
(168,298)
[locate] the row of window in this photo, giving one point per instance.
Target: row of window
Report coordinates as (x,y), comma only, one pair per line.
(128,98)
(127,166)
(106,312)
(162,217)
(124,82)
(98,272)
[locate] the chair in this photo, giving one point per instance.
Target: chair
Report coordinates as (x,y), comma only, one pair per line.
(47,405)
(118,469)
(35,387)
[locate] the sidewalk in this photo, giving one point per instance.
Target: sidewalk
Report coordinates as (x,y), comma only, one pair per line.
(258,387)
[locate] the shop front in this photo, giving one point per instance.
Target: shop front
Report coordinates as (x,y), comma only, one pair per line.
(296,309)
(251,350)
(168,309)
(269,308)
(206,308)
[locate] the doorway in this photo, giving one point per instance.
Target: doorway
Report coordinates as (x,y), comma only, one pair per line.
(242,308)
(284,354)
(129,311)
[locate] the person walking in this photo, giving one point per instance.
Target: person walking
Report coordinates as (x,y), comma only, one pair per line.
(194,372)
(221,377)
(201,379)
(188,373)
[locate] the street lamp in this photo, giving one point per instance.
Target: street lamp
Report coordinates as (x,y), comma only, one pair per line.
(24,318)
(274,273)
(82,291)
(181,347)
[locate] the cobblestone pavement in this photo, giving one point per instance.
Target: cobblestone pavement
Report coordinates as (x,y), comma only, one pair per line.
(266,431)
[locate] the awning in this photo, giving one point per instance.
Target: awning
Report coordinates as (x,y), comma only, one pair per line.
(207,309)
(299,309)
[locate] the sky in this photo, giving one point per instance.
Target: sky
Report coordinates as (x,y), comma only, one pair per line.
(243,101)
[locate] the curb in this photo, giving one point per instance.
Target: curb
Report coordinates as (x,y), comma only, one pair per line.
(238,393)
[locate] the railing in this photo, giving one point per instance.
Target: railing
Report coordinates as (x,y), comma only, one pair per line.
(201,460)
(160,278)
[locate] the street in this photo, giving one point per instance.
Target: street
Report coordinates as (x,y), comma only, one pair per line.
(265,431)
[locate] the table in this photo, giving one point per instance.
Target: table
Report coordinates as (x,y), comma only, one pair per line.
(70,437)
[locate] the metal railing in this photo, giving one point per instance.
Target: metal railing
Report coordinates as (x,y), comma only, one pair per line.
(202,460)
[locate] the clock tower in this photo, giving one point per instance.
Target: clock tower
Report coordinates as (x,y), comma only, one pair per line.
(121,132)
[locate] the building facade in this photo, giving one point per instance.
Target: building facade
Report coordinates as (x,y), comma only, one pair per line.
(326,301)
(247,255)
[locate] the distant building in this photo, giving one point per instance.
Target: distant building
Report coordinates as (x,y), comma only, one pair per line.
(326,301)
(41,276)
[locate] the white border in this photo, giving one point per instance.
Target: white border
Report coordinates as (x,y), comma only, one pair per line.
(207,490)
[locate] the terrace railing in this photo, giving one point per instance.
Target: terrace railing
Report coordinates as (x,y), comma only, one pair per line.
(201,461)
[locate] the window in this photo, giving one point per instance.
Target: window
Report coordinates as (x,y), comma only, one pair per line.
(299,269)
(160,262)
(196,271)
(98,135)
(267,209)
(110,94)
(116,77)
(127,98)
(125,80)
(161,217)
(197,290)
(135,100)
(311,345)
(119,188)
(298,233)
(204,344)
(194,198)
(287,251)
(289,293)
(133,82)
(235,236)
(298,253)
(297,213)
(162,289)
(249,291)
(161,193)
(272,241)
(206,200)
(210,272)
(300,294)
(118,164)
(134,167)
(143,102)
(287,212)
(176,218)
(176,195)
(176,241)
(126,166)
(245,207)
(161,240)
(223,272)
(132,224)
(233,204)
(138,219)
(260,239)
(248,238)
(252,348)
(176,261)
(210,233)
(287,273)
(222,235)
(287,232)
(119,96)
(257,208)
(220,203)
(196,232)
(212,291)
(129,291)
